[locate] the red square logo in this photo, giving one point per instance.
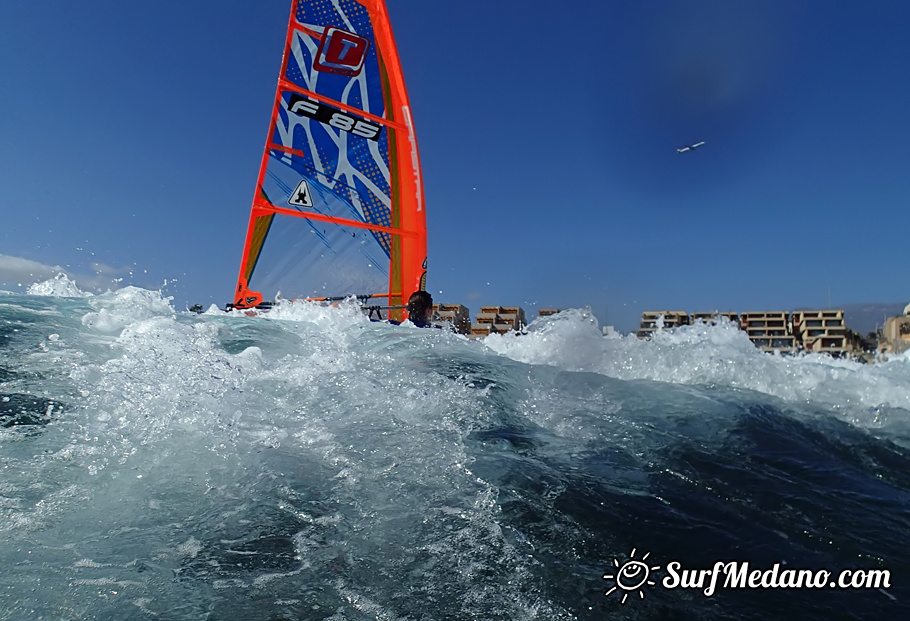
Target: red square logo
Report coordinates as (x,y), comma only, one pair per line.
(341,52)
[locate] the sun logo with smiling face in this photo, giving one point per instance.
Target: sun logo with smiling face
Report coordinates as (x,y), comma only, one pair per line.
(631,576)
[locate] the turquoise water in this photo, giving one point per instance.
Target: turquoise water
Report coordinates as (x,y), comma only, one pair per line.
(314,465)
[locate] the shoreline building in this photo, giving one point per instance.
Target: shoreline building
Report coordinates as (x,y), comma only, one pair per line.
(498,320)
(895,338)
(770,330)
(492,319)
(714,317)
(457,314)
(821,331)
(654,320)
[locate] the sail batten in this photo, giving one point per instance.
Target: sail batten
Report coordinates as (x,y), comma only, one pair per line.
(338,207)
(268,208)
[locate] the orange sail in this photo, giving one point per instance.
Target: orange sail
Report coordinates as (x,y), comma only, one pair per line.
(339,204)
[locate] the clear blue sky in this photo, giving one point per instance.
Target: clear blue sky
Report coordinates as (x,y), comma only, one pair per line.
(131,134)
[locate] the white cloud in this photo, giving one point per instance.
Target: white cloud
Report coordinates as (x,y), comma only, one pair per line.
(17,274)
(16,271)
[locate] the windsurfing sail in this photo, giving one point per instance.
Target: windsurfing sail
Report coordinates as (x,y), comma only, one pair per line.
(339,204)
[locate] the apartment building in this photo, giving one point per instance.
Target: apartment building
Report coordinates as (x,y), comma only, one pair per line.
(651,320)
(714,317)
(498,320)
(457,314)
(896,334)
(769,330)
(822,331)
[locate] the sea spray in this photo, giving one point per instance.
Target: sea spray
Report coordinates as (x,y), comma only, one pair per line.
(309,463)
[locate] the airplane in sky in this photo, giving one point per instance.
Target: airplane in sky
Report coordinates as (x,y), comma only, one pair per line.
(690,147)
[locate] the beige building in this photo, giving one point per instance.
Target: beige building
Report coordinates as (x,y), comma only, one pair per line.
(651,319)
(457,314)
(714,317)
(896,334)
(769,330)
(820,331)
(498,320)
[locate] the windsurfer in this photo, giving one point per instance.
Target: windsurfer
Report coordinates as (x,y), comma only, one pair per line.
(420,309)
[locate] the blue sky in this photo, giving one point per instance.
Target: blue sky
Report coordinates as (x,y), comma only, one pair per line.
(131,134)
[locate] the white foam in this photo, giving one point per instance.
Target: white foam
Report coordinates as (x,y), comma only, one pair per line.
(704,354)
(60,286)
(118,309)
(335,316)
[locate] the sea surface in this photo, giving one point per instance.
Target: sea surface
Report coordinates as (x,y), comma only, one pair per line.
(311,464)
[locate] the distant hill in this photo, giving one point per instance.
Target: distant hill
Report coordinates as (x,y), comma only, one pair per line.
(866,317)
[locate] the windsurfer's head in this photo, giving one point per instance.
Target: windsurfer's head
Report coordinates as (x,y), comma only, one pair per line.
(420,306)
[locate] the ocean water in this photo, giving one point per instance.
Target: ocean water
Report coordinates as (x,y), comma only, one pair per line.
(310,464)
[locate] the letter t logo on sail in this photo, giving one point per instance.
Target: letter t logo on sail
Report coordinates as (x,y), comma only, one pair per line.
(341,52)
